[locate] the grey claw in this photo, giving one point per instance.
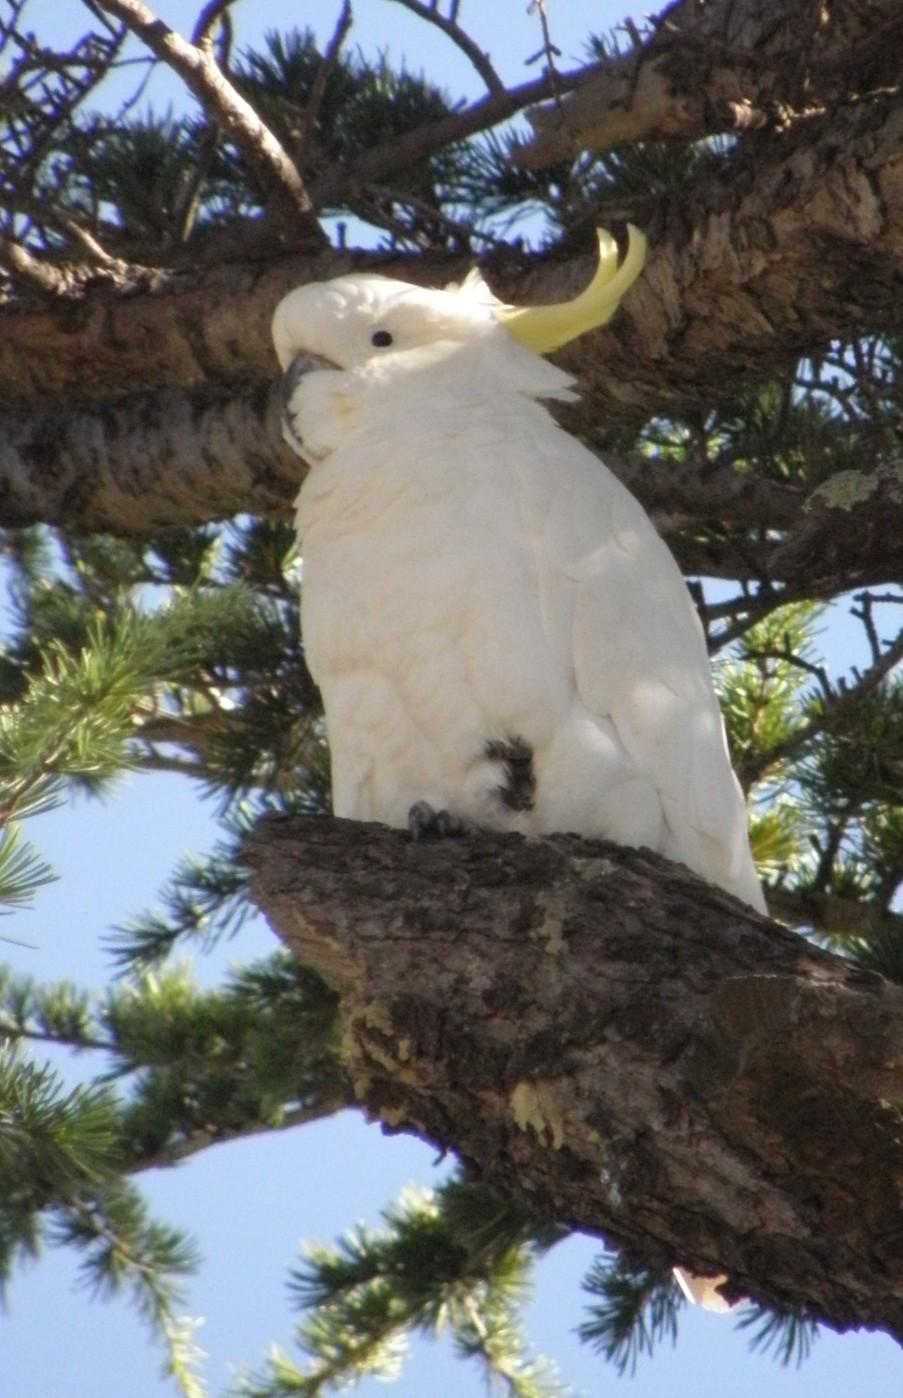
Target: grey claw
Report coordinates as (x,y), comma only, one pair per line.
(424,822)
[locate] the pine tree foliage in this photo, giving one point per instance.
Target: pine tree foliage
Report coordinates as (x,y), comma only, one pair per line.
(636,1310)
(179,651)
(455,1259)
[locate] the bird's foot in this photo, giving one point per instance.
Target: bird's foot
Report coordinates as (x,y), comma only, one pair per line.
(424,822)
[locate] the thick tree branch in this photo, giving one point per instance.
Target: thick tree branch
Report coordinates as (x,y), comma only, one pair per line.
(782,251)
(723,66)
(618,1046)
(742,262)
(834,915)
(175,458)
(148,329)
(147,462)
(677,494)
(200,72)
(185,458)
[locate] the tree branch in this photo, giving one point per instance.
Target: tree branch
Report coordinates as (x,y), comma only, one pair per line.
(834,915)
(723,66)
(403,150)
(616,1045)
(147,462)
(767,259)
(468,46)
(741,260)
(201,74)
(706,493)
(321,79)
(199,1141)
(834,710)
(208,22)
(182,458)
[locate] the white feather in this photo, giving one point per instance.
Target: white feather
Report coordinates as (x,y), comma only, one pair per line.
(474,575)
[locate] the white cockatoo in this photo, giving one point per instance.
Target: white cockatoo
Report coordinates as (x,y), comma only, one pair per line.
(500,636)
(497,629)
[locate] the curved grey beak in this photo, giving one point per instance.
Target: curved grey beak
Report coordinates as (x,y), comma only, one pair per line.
(302,364)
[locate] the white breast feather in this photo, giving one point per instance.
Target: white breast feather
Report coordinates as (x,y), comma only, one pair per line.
(472,574)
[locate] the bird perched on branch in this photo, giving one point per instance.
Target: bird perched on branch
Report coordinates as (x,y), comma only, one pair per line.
(500,636)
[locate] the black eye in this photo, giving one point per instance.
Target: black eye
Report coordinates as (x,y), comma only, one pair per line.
(381,338)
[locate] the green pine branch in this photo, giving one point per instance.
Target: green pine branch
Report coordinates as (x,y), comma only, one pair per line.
(456,1259)
(636,1310)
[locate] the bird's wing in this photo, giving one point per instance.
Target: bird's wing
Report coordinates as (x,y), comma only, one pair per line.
(613,595)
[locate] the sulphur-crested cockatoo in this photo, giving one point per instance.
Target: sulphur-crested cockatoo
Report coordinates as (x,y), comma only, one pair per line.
(496,627)
(500,636)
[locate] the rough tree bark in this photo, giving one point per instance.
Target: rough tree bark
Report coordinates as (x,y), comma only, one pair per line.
(617,1045)
(723,65)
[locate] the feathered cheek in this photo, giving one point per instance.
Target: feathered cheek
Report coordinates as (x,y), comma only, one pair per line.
(318,413)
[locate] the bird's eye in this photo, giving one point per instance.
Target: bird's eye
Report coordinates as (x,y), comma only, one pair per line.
(381,338)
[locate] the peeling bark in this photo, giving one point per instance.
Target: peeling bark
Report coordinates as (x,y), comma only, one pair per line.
(618,1046)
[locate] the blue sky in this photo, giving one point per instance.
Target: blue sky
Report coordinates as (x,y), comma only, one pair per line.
(250,1203)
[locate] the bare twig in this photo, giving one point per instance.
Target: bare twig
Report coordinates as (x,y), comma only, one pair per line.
(842,701)
(150,67)
(199,71)
(549,50)
(789,657)
(208,22)
(468,46)
(154,762)
(97,11)
(42,90)
(75,231)
(89,244)
(864,614)
(188,199)
(893,598)
(321,78)
(428,215)
(770,601)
